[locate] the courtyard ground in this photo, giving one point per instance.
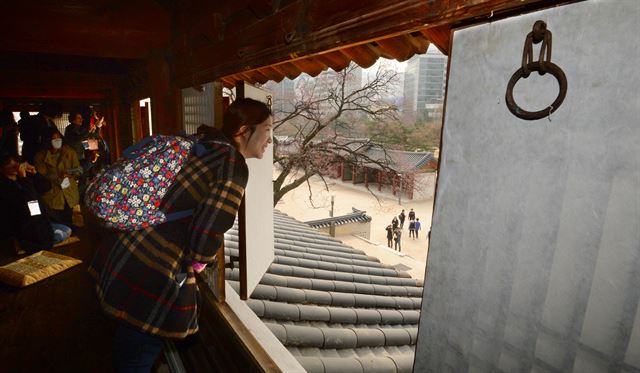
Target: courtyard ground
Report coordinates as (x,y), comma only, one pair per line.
(382,209)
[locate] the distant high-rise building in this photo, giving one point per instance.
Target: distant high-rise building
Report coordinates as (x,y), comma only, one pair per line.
(424,84)
(283,95)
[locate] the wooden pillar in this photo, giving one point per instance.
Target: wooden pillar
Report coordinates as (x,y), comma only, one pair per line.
(366,177)
(218,106)
(341,170)
(379,173)
(394,184)
(166,105)
(354,173)
(411,184)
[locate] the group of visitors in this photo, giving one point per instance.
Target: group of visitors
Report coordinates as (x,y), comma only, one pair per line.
(394,230)
(39,186)
(144,278)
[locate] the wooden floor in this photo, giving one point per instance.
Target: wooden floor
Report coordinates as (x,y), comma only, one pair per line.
(55,325)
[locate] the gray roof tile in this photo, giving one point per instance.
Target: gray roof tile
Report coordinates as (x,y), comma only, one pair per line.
(344,287)
(317,297)
(391,316)
(339,338)
(312,364)
(298,282)
(377,364)
(364,288)
(384,302)
(396,337)
(364,301)
(342,365)
(278,330)
(342,299)
(404,363)
(290,295)
(370,337)
(281,311)
(314,313)
(257,306)
(368,316)
(333,307)
(343,315)
(410,316)
(303,336)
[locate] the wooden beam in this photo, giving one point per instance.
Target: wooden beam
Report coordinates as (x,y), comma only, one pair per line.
(60,79)
(119,29)
(328,25)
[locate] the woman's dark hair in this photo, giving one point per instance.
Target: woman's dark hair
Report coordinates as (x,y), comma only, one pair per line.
(244,112)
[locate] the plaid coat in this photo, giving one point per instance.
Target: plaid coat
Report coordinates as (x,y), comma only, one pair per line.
(136,271)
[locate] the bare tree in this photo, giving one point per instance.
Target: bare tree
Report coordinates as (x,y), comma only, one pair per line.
(321,120)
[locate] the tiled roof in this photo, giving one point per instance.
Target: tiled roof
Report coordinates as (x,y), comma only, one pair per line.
(401,161)
(333,307)
(357,216)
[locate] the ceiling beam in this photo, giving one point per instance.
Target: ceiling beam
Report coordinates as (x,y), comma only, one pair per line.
(123,30)
(57,84)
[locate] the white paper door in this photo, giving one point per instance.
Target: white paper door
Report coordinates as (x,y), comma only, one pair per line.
(259,208)
(534,263)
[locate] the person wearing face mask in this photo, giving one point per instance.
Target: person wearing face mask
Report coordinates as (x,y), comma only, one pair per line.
(60,165)
(145,279)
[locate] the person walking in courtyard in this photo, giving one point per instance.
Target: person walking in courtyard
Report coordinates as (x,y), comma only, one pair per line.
(402,217)
(417,227)
(389,235)
(398,238)
(412,229)
(412,215)
(394,222)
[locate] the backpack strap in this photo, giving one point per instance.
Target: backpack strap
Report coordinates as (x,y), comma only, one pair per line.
(178,215)
(129,152)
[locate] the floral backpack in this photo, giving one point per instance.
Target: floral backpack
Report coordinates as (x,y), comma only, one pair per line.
(126,196)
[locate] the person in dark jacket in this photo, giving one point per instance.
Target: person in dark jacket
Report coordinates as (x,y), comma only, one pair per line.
(145,278)
(389,235)
(35,129)
(74,136)
(412,215)
(398,239)
(25,217)
(402,216)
